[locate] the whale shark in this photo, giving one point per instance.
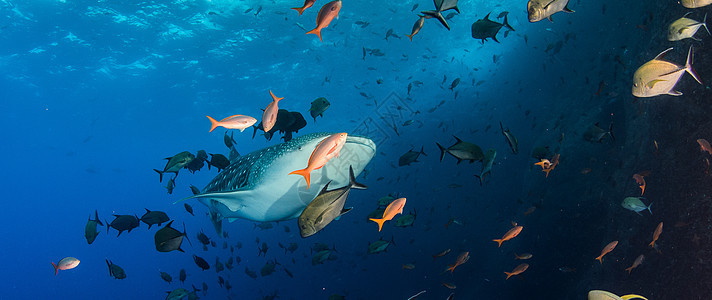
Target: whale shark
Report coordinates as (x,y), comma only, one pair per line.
(258,187)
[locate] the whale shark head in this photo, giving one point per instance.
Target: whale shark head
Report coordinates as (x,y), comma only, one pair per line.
(258,187)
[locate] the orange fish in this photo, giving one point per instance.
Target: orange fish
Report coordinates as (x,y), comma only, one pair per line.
(416,27)
(512,233)
(523,256)
(636,263)
(307,4)
(441,253)
(705,145)
(326,14)
(449,285)
(656,234)
(641,182)
(233,122)
(547,165)
(463,258)
(66,263)
(612,245)
(544,163)
(269,116)
(396,207)
(324,151)
(518,270)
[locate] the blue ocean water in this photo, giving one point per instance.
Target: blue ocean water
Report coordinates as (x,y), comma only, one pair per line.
(95,94)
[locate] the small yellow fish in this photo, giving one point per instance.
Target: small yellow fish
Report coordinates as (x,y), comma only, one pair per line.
(659,77)
(684,28)
(695,3)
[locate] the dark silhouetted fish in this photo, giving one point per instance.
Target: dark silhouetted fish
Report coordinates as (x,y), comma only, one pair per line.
(168,238)
(154,217)
(410,157)
(90,231)
(201,262)
(115,271)
(485,28)
(123,223)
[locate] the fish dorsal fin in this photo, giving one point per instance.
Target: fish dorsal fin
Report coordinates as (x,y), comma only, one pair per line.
(547,5)
(487,16)
(662,54)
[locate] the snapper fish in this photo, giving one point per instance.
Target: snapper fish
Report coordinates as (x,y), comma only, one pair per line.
(327,13)
(659,77)
(543,9)
(416,28)
(257,186)
(684,28)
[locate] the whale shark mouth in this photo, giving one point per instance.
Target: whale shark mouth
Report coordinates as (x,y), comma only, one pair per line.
(259,187)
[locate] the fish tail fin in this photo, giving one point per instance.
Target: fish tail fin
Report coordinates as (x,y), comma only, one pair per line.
(600,259)
(688,65)
(651,212)
(652,244)
(107,226)
(352,181)
(506,24)
(96,218)
(499,242)
(379,222)
(316,31)
(422,152)
(508,275)
(186,235)
(299,9)
(305,173)
(410,36)
(160,174)
(629,269)
(55,268)
(213,123)
(442,151)
(479,177)
(610,131)
(450,268)
(275,98)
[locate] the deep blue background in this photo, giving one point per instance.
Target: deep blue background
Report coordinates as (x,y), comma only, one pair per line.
(86,119)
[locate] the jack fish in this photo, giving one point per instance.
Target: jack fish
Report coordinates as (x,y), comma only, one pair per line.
(684,28)
(326,207)
(659,77)
(543,9)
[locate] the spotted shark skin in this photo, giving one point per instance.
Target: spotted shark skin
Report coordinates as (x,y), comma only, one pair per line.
(258,187)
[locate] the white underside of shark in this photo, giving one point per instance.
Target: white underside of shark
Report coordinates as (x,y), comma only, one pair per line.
(258,187)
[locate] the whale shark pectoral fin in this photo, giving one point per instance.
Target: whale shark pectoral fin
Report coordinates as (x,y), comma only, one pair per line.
(233,200)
